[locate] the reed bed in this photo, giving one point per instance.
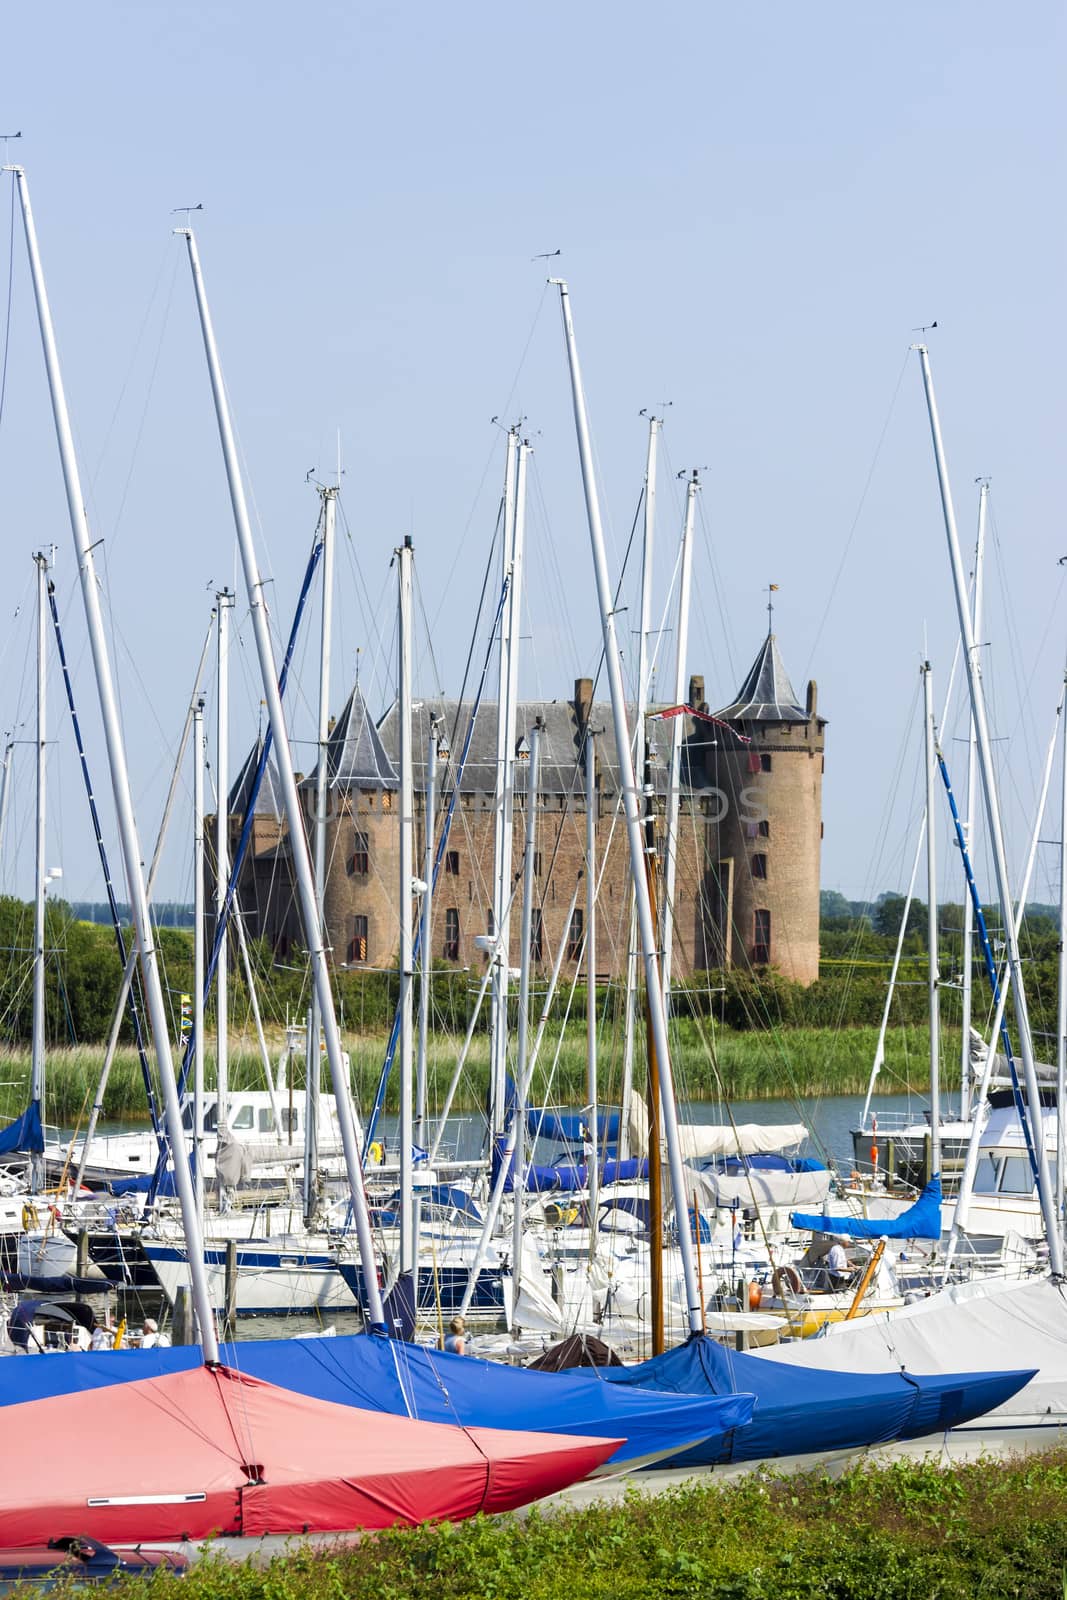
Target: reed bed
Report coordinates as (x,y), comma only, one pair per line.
(791,1064)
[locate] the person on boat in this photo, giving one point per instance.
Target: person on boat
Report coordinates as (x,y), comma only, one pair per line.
(456,1337)
(103,1337)
(836,1266)
(151,1338)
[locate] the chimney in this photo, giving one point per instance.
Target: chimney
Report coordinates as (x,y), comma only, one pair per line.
(696,693)
(583,701)
(813,697)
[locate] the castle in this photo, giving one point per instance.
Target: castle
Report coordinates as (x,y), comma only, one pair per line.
(749,832)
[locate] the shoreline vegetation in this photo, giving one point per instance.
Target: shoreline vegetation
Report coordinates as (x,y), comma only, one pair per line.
(894,1532)
(710,1064)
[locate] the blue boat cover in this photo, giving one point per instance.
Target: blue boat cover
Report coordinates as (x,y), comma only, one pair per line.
(24,1134)
(384,1375)
(569,1127)
(800,1410)
(920,1221)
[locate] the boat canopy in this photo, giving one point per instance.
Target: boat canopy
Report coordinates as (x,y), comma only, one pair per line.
(211,1451)
(920,1221)
(700,1140)
(802,1410)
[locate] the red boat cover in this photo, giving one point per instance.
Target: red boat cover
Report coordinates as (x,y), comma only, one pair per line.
(202,1452)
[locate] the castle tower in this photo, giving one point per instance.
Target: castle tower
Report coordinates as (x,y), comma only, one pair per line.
(764,832)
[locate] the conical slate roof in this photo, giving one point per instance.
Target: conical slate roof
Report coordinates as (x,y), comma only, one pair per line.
(269,799)
(766,694)
(355,755)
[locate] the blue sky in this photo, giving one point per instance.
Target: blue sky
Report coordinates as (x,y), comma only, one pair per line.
(756,206)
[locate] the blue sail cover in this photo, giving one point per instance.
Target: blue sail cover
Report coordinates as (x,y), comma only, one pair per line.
(920,1221)
(570,1127)
(409,1380)
(800,1410)
(24,1134)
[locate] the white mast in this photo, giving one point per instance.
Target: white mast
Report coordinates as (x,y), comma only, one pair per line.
(647,545)
(670,864)
(37,1047)
(522,1052)
(425,924)
(502,807)
(5,792)
(407,858)
(933,977)
(1061,996)
(628,785)
(223,607)
(198,954)
(312,1064)
(131,850)
(297,839)
(967,976)
(996,836)
(592,1090)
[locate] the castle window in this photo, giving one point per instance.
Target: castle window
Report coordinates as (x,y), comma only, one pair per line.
(765,829)
(490,921)
(765,762)
(761,945)
(357,945)
(759,866)
(451,950)
(359,864)
(537,863)
(576,935)
(387,800)
(537,935)
(452,863)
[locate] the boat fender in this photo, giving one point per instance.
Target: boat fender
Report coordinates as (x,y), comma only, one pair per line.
(30,1218)
(755,1295)
(787,1275)
(377,1153)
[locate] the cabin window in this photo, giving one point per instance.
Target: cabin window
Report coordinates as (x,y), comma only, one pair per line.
(985,1175)
(1016,1176)
(452,863)
(759,866)
(266,1120)
(537,935)
(765,762)
(357,945)
(243,1119)
(290,1120)
(575,935)
(761,943)
(359,865)
(451,950)
(211,1118)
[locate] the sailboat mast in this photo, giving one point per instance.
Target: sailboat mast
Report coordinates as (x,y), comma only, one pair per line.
(523,1043)
(223,607)
(505,755)
(407,858)
(5,792)
(198,954)
(648,537)
(670,860)
(627,784)
(592,1092)
(301,860)
(933,979)
(37,1047)
(1061,995)
(312,1065)
(131,851)
(996,834)
(429,823)
(967,977)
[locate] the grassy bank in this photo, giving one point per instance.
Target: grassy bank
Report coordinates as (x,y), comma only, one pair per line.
(904,1532)
(793,1063)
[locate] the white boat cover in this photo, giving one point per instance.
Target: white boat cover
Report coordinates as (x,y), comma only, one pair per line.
(700,1140)
(971,1326)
